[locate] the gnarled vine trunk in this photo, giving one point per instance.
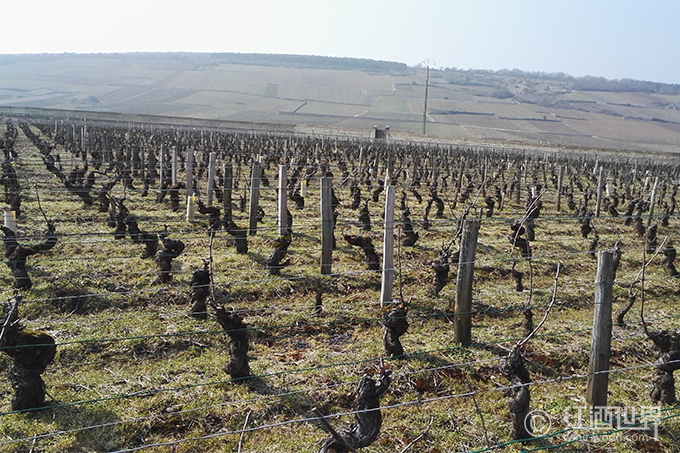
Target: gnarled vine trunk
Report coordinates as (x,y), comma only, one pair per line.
(366,428)
(663,383)
(200,291)
(31,352)
(237,366)
(396,325)
(275,261)
(172,248)
(372,258)
(17,254)
(519,397)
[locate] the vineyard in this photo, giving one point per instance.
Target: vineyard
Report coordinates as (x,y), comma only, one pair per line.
(184,289)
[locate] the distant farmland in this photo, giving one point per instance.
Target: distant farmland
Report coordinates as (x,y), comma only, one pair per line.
(349,94)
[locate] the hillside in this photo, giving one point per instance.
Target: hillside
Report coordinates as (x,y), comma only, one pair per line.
(350,93)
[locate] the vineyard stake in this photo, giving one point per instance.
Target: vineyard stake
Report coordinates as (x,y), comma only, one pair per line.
(459,182)
(361,158)
(151,162)
(11,221)
(466,266)
(600,346)
(326,226)
(227,184)
(600,185)
(560,180)
(173,164)
(652,201)
(190,171)
(211,178)
(140,161)
(161,156)
(484,172)
(254,197)
(283,217)
(388,247)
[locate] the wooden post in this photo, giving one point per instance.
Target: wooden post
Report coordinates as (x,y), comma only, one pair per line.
(435,168)
(254,197)
(600,185)
(151,164)
(390,166)
(388,247)
(545,175)
(191,208)
(118,158)
(128,157)
(361,159)
(190,172)
(560,180)
(485,173)
(466,266)
(140,162)
(326,226)
(283,210)
(652,201)
(459,182)
(227,185)
(173,164)
(600,344)
(106,152)
(211,178)
(161,165)
(11,220)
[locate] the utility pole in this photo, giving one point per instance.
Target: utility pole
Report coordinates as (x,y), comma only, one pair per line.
(427,83)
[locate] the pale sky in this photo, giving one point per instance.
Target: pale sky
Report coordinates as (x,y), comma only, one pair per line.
(614,39)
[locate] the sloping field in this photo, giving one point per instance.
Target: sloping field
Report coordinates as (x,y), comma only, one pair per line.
(637,99)
(203,86)
(331,108)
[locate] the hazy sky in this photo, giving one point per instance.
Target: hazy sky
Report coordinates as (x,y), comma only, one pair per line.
(614,39)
